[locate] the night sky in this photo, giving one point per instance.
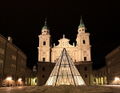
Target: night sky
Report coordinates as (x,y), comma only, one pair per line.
(23,20)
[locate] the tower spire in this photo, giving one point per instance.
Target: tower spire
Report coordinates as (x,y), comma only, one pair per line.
(81,23)
(45,24)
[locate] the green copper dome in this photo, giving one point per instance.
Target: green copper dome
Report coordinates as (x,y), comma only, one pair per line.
(44,27)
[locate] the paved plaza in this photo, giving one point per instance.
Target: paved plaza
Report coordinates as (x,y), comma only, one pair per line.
(61,89)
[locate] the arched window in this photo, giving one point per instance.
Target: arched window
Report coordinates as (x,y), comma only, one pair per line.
(83,29)
(43,59)
(85,58)
(83,41)
(44,43)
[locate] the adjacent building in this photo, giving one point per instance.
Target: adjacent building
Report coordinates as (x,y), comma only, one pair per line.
(110,73)
(12,63)
(113,66)
(80,52)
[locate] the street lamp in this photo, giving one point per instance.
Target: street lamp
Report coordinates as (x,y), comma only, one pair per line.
(20,81)
(9,80)
(117,79)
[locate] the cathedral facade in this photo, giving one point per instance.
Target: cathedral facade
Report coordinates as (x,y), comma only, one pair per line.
(79,52)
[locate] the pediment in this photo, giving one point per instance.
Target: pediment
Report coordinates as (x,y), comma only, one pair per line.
(64,42)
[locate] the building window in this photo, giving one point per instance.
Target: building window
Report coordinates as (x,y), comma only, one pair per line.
(85,75)
(43,59)
(13,65)
(82,29)
(44,43)
(83,41)
(2,51)
(13,57)
(85,68)
(43,69)
(1,65)
(43,76)
(85,58)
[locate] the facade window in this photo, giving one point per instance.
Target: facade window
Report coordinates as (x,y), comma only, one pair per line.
(1,63)
(44,43)
(85,75)
(83,41)
(43,59)
(13,65)
(43,69)
(85,68)
(43,76)
(13,57)
(2,51)
(82,29)
(22,61)
(85,58)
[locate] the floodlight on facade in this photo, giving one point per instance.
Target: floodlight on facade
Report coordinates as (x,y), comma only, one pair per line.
(116,79)
(9,78)
(20,79)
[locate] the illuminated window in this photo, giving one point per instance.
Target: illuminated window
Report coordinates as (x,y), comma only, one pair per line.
(83,41)
(85,58)
(43,59)
(44,43)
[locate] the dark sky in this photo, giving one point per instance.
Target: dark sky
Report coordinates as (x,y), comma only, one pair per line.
(23,21)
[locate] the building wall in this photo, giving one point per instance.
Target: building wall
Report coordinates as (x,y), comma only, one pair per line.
(45,69)
(113,65)
(109,73)
(2,57)
(12,60)
(85,70)
(21,65)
